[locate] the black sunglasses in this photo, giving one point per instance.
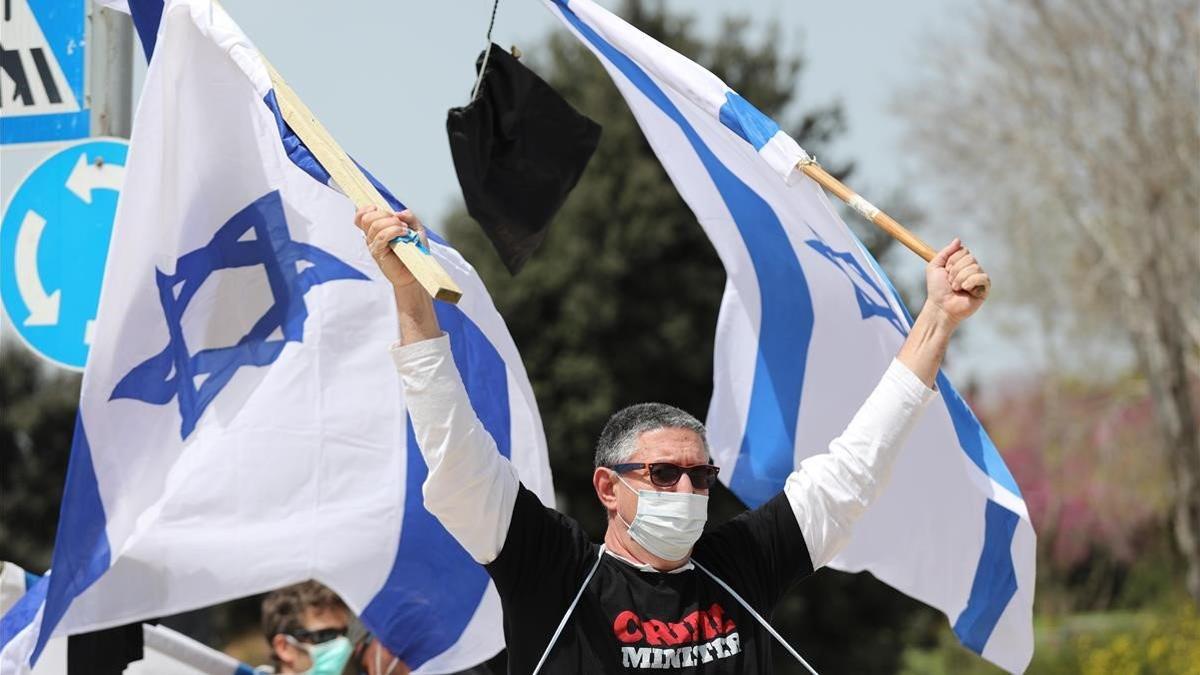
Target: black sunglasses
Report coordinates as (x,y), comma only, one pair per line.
(665,474)
(316,637)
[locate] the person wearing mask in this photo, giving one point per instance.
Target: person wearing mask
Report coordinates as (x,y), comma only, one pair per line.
(305,625)
(661,591)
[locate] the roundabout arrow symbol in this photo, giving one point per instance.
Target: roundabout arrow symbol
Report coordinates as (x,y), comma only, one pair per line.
(43,307)
(86,177)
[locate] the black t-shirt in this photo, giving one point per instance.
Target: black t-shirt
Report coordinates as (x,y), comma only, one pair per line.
(628,620)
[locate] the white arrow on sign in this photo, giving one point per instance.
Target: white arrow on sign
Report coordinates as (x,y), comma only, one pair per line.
(43,307)
(86,177)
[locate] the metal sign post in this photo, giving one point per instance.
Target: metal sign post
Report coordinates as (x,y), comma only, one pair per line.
(110,54)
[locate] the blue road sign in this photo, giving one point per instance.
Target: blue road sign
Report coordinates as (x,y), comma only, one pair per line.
(53,243)
(42,55)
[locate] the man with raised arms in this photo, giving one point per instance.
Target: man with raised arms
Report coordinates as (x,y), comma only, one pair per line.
(660,592)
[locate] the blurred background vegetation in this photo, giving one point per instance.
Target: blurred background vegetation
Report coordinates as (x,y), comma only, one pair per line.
(1070,129)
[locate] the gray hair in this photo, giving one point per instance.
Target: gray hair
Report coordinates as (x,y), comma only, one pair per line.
(618,441)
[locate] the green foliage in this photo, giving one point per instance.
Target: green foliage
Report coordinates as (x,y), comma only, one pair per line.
(1167,644)
(37,419)
(1148,643)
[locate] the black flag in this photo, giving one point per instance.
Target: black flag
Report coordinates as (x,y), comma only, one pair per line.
(519,149)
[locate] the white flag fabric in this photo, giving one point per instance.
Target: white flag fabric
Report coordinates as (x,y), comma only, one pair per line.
(807,325)
(241,424)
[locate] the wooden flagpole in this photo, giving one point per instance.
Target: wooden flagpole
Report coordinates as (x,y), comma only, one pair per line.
(866,209)
(872,213)
(350,179)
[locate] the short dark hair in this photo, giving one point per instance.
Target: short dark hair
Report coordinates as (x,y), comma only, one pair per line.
(283,609)
(618,440)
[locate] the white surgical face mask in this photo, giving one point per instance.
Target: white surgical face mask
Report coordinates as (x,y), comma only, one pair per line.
(667,524)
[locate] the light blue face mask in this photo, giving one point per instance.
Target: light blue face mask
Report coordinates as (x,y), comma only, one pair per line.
(328,658)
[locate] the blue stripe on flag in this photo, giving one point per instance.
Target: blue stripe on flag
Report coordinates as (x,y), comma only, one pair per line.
(483,371)
(81,552)
(147,14)
(747,121)
(293,146)
(995,579)
(767,453)
(22,613)
(435,586)
(974,439)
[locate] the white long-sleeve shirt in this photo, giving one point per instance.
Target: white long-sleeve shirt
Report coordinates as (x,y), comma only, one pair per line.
(471,488)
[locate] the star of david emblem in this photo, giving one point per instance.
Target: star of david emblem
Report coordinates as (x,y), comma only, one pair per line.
(172,372)
(872,299)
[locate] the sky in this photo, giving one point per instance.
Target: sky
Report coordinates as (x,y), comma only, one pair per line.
(381,76)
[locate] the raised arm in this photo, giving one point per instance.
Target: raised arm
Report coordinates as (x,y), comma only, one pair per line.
(952,280)
(830,491)
(413,305)
(471,488)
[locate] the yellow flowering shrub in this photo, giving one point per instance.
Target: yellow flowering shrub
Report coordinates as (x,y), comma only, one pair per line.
(1169,645)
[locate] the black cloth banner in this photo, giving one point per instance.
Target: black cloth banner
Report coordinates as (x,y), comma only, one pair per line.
(519,149)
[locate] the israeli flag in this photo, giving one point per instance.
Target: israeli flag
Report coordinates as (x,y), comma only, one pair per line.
(241,424)
(807,325)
